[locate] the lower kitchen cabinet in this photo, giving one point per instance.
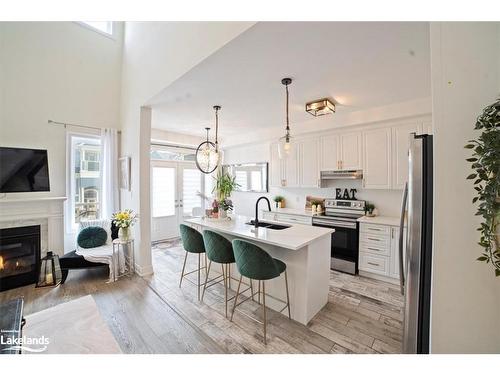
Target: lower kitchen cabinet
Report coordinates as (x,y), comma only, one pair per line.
(379,251)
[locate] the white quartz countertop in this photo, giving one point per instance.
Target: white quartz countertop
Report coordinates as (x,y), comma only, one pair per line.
(382,220)
(294,211)
(293,238)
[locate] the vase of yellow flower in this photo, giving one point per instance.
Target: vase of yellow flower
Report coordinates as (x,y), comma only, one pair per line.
(124,220)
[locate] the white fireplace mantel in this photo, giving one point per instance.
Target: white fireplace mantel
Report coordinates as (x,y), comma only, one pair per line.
(48,212)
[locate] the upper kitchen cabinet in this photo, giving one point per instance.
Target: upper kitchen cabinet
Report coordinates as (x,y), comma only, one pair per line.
(330,151)
(275,167)
(341,151)
(400,146)
(284,173)
(291,168)
(350,151)
(377,158)
(308,162)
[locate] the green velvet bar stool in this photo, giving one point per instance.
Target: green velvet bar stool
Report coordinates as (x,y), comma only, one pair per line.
(192,241)
(219,250)
(256,264)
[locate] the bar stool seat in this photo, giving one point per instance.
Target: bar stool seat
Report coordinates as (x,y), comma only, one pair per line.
(192,241)
(256,264)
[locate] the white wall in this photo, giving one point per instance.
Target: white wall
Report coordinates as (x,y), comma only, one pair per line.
(60,71)
(155,55)
(466,294)
(159,135)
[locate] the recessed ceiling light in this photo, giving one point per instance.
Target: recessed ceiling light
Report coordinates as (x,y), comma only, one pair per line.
(320,107)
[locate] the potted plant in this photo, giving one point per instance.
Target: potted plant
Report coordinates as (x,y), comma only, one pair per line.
(280,201)
(369,208)
(225,184)
(124,220)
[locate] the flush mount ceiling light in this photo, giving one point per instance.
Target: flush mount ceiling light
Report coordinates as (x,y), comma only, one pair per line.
(285,142)
(320,107)
(207,153)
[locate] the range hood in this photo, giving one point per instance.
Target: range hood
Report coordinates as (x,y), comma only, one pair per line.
(353,174)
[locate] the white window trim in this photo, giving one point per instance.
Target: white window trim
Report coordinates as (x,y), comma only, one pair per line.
(91,28)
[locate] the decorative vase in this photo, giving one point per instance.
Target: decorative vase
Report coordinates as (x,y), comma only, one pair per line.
(124,234)
(313,208)
(280,204)
(222,214)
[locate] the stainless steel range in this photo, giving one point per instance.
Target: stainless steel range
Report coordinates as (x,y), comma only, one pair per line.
(342,215)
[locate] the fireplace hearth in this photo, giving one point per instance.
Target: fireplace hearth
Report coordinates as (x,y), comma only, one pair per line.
(19,256)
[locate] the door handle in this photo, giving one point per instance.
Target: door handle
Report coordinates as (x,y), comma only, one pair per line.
(401,239)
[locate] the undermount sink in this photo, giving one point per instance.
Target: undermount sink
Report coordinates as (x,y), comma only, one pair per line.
(263,224)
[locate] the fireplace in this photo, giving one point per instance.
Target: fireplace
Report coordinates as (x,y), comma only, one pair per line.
(19,256)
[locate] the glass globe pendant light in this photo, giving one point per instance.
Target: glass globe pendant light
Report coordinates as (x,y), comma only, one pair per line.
(285,143)
(207,154)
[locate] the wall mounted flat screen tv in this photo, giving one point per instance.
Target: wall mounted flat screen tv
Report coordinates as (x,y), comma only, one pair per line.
(23,170)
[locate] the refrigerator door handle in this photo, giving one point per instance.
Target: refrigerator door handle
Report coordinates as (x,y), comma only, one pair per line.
(401,239)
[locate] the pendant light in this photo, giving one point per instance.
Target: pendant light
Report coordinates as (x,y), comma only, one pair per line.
(285,143)
(207,154)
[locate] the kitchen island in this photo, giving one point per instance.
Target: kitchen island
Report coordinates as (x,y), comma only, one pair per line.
(305,250)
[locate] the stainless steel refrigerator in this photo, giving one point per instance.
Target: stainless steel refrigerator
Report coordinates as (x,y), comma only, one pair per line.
(415,266)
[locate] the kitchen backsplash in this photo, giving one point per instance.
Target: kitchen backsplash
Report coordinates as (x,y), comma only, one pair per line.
(388,202)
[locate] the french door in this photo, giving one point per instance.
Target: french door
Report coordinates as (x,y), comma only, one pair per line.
(175,188)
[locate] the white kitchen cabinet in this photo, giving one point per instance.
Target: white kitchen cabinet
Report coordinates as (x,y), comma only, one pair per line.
(377,159)
(350,151)
(400,146)
(308,162)
(426,127)
(275,167)
(379,251)
(291,168)
(330,151)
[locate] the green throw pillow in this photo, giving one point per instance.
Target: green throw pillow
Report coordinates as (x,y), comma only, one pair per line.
(92,237)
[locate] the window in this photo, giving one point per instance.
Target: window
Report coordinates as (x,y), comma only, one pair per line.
(163,189)
(85,178)
(105,27)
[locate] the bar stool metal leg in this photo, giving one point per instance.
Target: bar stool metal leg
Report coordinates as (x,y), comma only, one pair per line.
(251,287)
(199,274)
(264,304)
(287,297)
(207,271)
(236,298)
(183,268)
(258,294)
(224,275)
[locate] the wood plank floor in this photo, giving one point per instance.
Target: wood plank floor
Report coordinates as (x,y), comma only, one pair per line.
(362,316)
(154,315)
(138,318)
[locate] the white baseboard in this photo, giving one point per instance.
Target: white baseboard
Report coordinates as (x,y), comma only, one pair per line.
(144,270)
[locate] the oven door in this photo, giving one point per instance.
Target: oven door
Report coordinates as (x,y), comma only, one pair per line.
(344,250)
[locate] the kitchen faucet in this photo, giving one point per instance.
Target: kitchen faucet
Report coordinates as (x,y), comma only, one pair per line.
(256,221)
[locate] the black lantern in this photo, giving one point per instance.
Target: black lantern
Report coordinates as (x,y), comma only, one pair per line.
(50,271)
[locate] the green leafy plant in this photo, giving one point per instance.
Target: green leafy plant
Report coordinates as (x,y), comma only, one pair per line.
(278,198)
(225,184)
(369,207)
(485,162)
(316,202)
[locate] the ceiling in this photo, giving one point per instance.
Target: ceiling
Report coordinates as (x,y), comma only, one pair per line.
(360,65)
